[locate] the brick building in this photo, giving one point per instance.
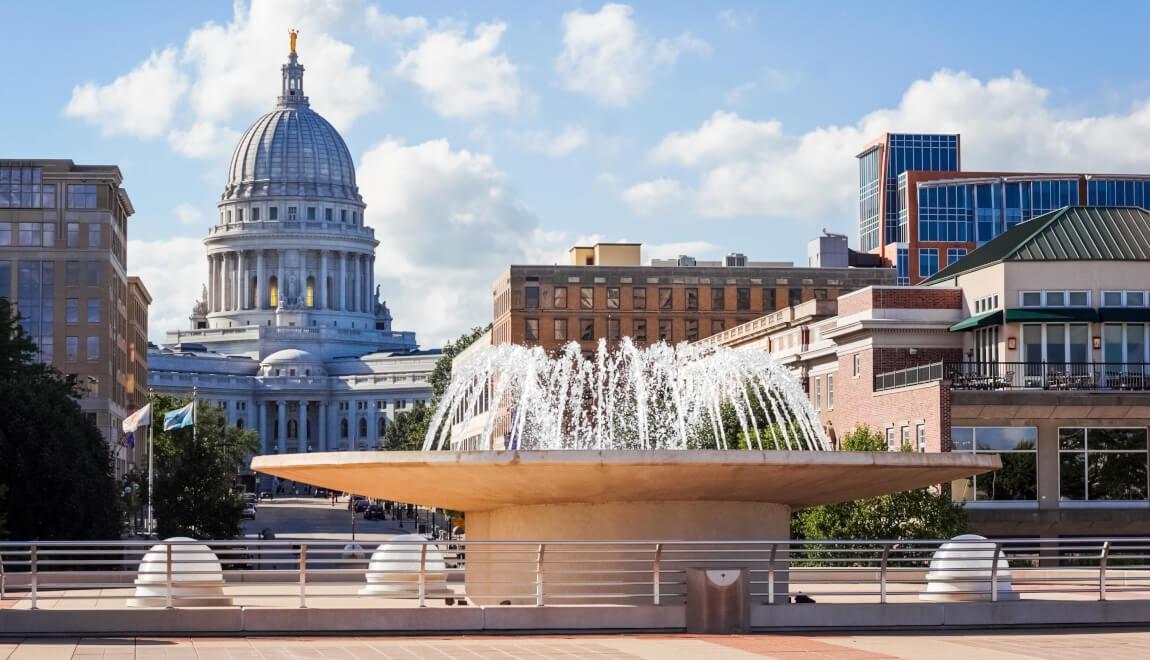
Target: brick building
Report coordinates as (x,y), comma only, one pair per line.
(605,293)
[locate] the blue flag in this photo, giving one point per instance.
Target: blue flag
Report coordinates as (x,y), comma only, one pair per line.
(180,418)
(130,440)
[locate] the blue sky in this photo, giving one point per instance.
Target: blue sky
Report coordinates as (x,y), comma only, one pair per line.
(502,132)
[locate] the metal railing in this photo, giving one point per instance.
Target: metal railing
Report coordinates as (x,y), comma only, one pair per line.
(924,373)
(74,575)
(1061,376)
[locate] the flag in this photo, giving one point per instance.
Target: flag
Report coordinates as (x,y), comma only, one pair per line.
(178,419)
(130,439)
(137,419)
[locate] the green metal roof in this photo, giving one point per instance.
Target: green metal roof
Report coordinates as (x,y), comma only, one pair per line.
(1051,315)
(1125,314)
(983,320)
(1072,233)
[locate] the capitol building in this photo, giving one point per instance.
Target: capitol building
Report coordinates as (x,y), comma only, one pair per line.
(290,336)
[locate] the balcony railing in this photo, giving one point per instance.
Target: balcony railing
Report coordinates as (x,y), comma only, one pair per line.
(925,373)
(1059,376)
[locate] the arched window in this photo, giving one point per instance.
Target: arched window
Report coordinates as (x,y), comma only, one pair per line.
(253,293)
(330,292)
(307,429)
(310,299)
(275,428)
(343,428)
(382,425)
(362,427)
(240,423)
(274,292)
(293,429)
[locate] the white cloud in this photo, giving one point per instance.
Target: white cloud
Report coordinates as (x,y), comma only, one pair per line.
(188,214)
(555,145)
(140,102)
(462,77)
(748,167)
(608,180)
(174,271)
(203,140)
(231,72)
(387,26)
(607,57)
(651,197)
(449,223)
(733,19)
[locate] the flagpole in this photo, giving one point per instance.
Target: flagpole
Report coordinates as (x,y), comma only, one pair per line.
(151,473)
(194,406)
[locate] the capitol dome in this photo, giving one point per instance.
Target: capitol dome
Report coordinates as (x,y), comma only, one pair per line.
(292,362)
(291,356)
(292,150)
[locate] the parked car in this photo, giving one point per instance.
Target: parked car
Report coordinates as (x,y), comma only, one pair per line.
(362,505)
(265,495)
(321,492)
(354,501)
(249,512)
(373,512)
(249,498)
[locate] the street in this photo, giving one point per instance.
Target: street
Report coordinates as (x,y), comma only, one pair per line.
(316,518)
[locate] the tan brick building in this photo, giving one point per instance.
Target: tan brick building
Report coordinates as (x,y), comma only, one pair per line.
(605,293)
(63,241)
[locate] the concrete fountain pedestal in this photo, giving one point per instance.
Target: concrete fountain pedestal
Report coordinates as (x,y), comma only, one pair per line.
(615,495)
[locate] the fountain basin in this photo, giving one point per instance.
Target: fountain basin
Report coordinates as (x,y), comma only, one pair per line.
(615,495)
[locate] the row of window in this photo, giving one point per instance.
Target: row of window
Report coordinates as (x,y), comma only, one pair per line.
(986,303)
(928,260)
(559,300)
(43,234)
(977,212)
(817,387)
(1094,464)
(310,213)
(564,330)
(72,348)
(902,442)
(72,310)
(20,188)
(1055,298)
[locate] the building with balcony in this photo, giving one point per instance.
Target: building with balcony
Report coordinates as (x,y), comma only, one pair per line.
(290,336)
(606,293)
(63,262)
(921,212)
(1033,347)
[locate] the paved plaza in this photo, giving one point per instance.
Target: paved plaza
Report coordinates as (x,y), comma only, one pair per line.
(1071,645)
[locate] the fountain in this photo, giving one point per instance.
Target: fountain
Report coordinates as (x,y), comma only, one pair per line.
(664,443)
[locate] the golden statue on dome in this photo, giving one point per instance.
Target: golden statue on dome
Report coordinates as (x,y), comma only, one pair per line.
(292,35)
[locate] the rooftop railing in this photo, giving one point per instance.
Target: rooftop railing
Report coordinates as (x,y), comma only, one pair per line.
(74,575)
(1058,376)
(917,375)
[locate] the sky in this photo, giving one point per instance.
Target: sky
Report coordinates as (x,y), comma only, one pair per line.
(497,133)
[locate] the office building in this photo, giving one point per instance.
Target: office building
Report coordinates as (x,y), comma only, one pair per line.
(921,212)
(63,261)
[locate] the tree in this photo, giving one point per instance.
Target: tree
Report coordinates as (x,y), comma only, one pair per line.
(409,428)
(915,514)
(195,473)
(55,465)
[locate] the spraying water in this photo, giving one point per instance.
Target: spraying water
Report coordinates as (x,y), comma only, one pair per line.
(659,397)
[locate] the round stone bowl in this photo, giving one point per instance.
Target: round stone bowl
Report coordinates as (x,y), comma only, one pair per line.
(394,569)
(197,576)
(960,570)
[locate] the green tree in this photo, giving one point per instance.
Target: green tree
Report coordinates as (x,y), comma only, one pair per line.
(409,428)
(54,464)
(195,473)
(915,514)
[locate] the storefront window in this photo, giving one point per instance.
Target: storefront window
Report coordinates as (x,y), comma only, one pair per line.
(1017,480)
(1102,464)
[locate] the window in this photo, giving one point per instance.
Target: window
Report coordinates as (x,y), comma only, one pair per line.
(613,330)
(640,331)
(1018,477)
(291,214)
(1102,464)
(920,438)
(531,330)
(560,329)
(612,297)
(890,439)
(20,188)
(817,386)
(717,326)
(72,310)
(1055,298)
(1078,298)
(905,438)
(5,233)
(531,297)
(794,296)
(586,298)
(559,297)
(830,392)
(93,273)
(692,298)
(1031,299)
(239,215)
(327,215)
(692,329)
(93,348)
(856,367)
(665,298)
(255,218)
(72,348)
(82,196)
(311,213)
(72,274)
(927,262)
(29,233)
(768,301)
(93,235)
(343,428)
(49,195)
(820,294)
(343,215)
(742,299)
(273,213)
(639,298)
(665,330)
(93,310)
(1123,342)
(586,329)
(954,254)
(718,298)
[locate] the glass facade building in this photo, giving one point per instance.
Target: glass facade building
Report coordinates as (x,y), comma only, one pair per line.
(977,211)
(879,173)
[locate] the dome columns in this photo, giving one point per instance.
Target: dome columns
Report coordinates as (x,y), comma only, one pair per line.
(264,280)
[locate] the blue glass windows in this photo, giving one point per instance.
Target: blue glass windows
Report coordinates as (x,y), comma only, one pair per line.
(954,254)
(902,264)
(927,262)
(868,200)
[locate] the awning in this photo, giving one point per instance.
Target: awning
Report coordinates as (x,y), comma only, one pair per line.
(1052,315)
(1125,314)
(983,320)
